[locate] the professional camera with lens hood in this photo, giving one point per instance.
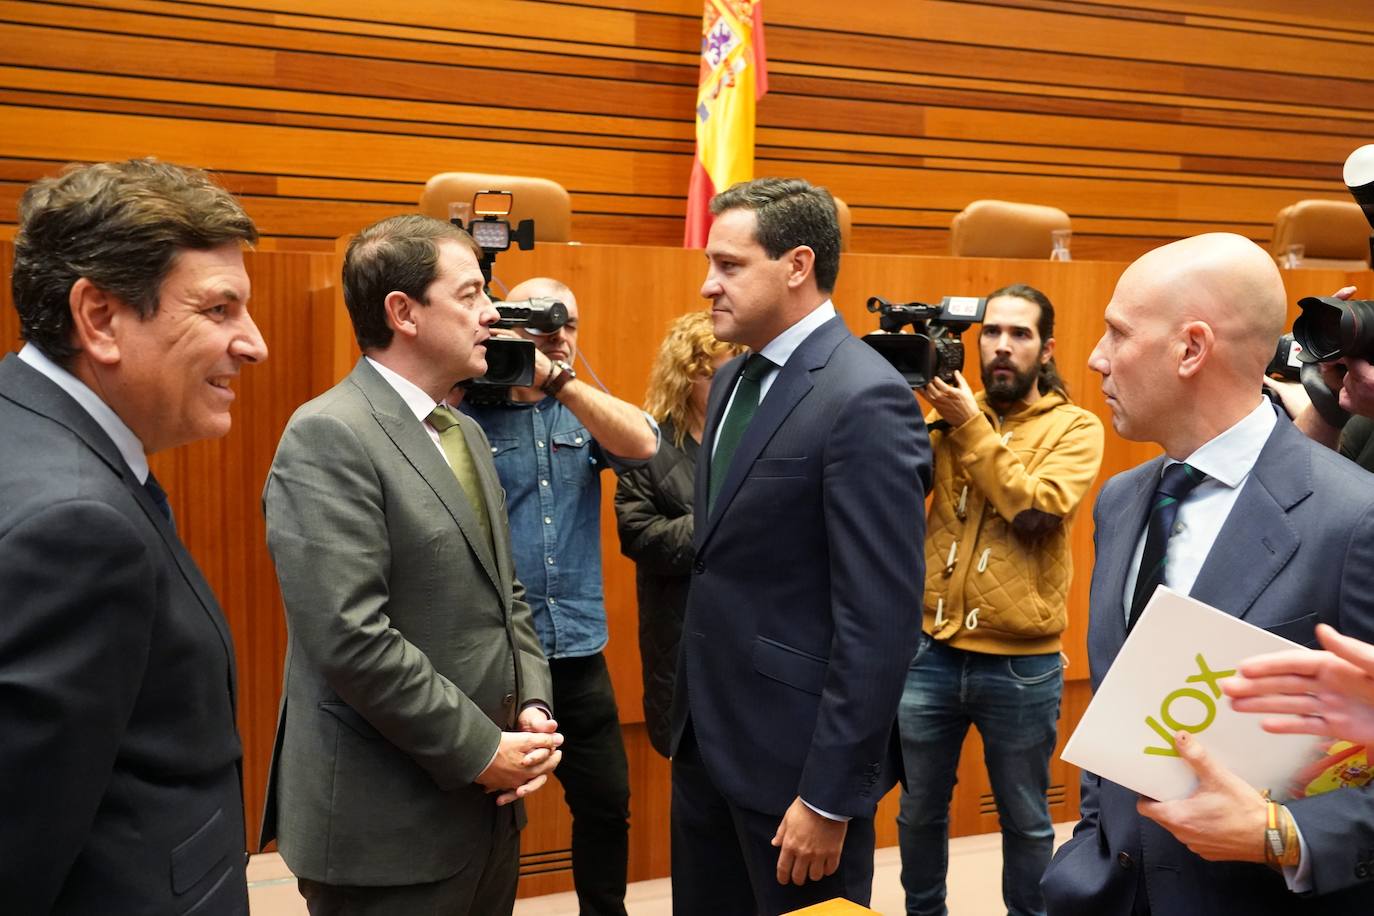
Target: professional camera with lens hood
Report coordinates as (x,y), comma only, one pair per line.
(933,348)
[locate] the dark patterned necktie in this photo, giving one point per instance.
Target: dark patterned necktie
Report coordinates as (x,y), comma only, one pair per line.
(1178,481)
(742,410)
(159,496)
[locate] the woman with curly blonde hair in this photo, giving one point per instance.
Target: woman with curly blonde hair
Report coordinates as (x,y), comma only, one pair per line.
(680,379)
(653,504)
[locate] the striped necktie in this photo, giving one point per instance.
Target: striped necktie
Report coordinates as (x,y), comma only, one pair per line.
(1178,481)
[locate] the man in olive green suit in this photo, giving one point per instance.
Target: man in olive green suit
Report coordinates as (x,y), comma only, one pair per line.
(414,706)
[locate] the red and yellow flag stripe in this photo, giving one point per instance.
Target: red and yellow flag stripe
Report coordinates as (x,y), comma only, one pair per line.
(734,75)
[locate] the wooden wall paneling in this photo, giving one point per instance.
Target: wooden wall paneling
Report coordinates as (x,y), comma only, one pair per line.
(1330,14)
(9,318)
(1012,66)
(1063,30)
(1144,113)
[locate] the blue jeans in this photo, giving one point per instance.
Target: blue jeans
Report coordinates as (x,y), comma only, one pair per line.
(1014,702)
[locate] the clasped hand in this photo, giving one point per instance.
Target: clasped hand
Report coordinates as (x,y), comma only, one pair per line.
(524,759)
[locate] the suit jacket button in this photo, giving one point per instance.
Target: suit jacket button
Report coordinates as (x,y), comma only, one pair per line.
(1362,871)
(1124,860)
(698,567)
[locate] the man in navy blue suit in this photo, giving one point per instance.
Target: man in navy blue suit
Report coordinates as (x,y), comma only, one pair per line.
(120,763)
(1271,528)
(804,608)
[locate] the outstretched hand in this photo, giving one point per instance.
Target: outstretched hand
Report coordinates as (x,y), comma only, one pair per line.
(1327,693)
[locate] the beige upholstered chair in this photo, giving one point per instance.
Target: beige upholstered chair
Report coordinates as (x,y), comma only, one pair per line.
(539,199)
(1003,229)
(1333,234)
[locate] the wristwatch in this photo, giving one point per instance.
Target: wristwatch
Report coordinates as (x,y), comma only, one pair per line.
(1281,846)
(555,382)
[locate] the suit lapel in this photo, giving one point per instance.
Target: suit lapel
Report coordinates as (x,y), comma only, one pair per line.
(412,440)
(491,490)
(721,386)
(1258,537)
(36,392)
(1116,550)
(186,564)
(787,391)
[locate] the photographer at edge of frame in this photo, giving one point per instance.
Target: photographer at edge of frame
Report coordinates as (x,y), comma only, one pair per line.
(1351,379)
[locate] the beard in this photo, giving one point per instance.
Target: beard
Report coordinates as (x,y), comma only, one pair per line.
(1007,391)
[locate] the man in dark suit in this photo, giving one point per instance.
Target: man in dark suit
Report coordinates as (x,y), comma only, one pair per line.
(120,786)
(414,708)
(1270,527)
(804,609)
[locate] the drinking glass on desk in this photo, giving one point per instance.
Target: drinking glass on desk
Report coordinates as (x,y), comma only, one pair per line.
(1292,256)
(460,210)
(1060,238)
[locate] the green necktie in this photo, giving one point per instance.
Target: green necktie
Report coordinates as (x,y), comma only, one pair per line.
(736,421)
(455,447)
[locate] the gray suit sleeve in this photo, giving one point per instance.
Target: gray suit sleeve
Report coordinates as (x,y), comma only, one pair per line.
(327,530)
(536,686)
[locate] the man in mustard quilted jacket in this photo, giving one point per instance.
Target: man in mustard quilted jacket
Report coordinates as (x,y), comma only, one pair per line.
(1012,464)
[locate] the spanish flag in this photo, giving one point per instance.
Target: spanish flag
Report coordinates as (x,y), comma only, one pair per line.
(734,75)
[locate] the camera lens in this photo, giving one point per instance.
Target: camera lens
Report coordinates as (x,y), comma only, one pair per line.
(1330,328)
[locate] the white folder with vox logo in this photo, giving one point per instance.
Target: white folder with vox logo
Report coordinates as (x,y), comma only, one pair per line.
(1165,680)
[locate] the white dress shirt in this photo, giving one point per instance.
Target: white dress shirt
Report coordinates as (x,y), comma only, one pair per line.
(1227,460)
(419,402)
(780,349)
(128,444)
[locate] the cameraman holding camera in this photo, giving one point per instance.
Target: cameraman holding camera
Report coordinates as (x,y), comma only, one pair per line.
(1351,379)
(1011,465)
(550,442)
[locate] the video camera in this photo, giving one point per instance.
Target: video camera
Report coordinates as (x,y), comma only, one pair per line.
(933,348)
(510,363)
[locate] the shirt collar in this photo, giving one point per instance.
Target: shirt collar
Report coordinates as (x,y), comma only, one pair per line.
(419,402)
(130,448)
(1229,457)
(780,349)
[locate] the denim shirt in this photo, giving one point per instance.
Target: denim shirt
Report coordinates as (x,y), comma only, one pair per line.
(551,469)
